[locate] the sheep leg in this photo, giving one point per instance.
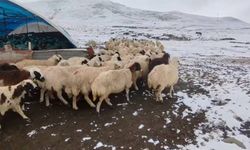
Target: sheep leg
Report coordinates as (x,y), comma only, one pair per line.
(59,95)
(47,99)
(135,85)
(156,91)
(171,91)
(74,103)
(156,95)
(107,100)
(42,95)
(99,104)
(23,107)
(86,97)
(127,94)
(18,109)
(159,96)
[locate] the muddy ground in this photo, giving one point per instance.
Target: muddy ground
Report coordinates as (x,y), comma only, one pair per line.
(60,127)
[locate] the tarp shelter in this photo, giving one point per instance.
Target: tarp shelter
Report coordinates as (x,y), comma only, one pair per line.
(18,26)
(33,27)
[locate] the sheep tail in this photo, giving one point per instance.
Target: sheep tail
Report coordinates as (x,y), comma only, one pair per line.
(157,88)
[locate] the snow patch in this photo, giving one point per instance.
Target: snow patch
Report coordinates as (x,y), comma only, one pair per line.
(135,113)
(31,133)
(79,130)
(85,139)
(45,127)
(98,145)
(141,126)
(109,124)
(153,142)
(67,139)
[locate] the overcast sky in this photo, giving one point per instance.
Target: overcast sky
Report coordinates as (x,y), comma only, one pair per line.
(215,8)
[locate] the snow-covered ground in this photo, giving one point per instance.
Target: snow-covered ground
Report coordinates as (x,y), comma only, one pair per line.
(224,71)
(220,67)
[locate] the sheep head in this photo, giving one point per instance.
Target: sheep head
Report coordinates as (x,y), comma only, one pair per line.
(135,67)
(166,58)
(56,58)
(36,74)
(175,61)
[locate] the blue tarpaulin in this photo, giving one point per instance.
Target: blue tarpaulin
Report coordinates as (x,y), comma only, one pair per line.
(12,16)
(18,26)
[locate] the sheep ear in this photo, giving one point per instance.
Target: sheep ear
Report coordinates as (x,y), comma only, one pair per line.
(18,91)
(2,99)
(59,58)
(148,59)
(142,52)
(119,58)
(117,53)
(116,66)
(37,75)
(100,58)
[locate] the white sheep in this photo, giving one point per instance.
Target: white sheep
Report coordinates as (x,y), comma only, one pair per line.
(95,61)
(112,81)
(55,79)
(114,61)
(126,59)
(73,61)
(80,82)
(163,76)
(52,61)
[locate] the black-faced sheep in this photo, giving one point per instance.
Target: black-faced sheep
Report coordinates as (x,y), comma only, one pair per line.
(158,61)
(163,76)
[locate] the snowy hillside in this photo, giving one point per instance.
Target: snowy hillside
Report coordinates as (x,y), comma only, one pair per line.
(110,13)
(93,18)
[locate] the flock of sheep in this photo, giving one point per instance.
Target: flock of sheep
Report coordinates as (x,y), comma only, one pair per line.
(112,70)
